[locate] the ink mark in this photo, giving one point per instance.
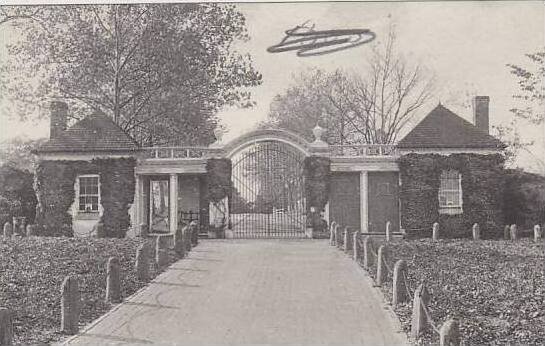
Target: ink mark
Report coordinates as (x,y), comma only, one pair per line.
(309,42)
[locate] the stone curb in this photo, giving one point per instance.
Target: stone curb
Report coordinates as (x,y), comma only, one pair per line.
(394,320)
(116,307)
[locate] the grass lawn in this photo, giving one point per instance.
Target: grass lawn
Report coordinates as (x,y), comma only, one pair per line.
(496,287)
(32,270)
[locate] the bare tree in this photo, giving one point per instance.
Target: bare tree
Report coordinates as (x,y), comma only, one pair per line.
(355,108)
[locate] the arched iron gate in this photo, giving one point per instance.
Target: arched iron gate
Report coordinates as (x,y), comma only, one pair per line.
(268,197)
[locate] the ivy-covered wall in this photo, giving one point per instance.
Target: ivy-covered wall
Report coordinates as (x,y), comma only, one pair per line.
(54,185)
(317,172)
(482,194)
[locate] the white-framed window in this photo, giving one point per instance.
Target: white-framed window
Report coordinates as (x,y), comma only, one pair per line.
(450,192)
(89,193)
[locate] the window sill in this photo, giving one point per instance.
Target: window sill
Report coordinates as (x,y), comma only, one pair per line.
(450,210)
(83,215)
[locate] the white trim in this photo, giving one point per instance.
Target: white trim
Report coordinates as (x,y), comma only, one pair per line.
(85,156)
(364,199)
(173,202)
(449,151)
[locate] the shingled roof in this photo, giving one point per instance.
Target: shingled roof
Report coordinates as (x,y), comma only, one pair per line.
(442,128)
(96,132)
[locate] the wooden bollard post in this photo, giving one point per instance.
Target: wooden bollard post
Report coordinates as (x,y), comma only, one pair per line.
(419,321)
(513,232)
(6,327)
(356,245)
(538,234)
(338,237)
(367,259)
(381,268)
(31,230)
(435,231)
(400,293)
(449,333)
(179,247)
(160,253)
(70,305)
(113,280)
(186,236)
(346,239)
(143,230)
(194,227)
(8,230)
(506,235)
(142,263)
(388,231)
(332,234)
(476,232)
(15,226)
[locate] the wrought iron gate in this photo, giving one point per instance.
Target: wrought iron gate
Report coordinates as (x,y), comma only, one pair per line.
(268,199)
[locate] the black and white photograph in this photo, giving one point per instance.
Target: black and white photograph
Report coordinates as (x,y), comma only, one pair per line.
(272,173)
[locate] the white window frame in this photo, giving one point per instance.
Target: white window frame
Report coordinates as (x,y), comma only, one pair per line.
(93,195)
(451,209)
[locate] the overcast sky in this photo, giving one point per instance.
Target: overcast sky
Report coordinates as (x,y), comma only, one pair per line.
(465,45)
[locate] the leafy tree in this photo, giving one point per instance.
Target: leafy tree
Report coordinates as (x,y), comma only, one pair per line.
(370,108)
(161,71)
(16,152)
(529,105)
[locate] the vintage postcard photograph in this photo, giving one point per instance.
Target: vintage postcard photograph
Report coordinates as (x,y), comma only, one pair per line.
(272,173)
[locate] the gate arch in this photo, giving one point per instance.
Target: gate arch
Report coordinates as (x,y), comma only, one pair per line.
(268,195)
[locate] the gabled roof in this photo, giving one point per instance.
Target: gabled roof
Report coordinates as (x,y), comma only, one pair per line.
(96,132)
(442,128)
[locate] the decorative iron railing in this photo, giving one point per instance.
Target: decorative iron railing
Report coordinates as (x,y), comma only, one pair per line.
(191,152)
(181,152)
(363,150)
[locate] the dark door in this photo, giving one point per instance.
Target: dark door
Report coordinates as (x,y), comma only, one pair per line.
(383,199)
(344,202)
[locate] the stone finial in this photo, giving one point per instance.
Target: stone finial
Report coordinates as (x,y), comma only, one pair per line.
(142,263)
(388,231)
(513,232)
(113,280)
(70,305)
(381,267)
(6,327)
(538,233)
(400,293)
(435,231)
(8,230)
(367,259)
(318,132)
(449,333)
(419,322)
(506,233)
(476,232)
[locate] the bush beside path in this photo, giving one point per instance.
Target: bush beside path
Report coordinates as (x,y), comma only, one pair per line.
(32,270)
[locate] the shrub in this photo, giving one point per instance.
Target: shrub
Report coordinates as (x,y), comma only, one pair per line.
(17,196)
(524,198)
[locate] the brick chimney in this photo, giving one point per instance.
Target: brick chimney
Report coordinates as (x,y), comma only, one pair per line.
(59,114)
(480,112)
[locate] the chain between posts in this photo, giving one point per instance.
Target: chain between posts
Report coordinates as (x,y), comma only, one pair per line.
(428,317)
(407,286)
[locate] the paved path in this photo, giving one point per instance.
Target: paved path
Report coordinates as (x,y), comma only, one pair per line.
(249,292)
